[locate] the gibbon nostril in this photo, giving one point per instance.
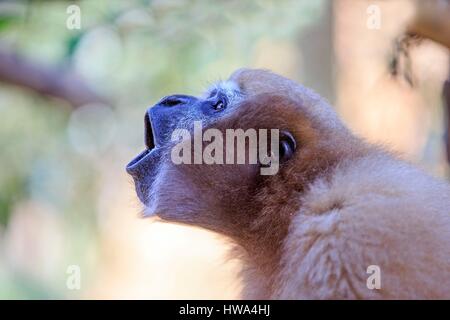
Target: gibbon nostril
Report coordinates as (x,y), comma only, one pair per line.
(173,101)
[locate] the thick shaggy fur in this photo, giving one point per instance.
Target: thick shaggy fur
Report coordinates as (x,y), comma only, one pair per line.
(337,207)
(363,208)
(370,211)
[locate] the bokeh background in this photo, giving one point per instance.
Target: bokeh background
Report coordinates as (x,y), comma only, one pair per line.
(71,116)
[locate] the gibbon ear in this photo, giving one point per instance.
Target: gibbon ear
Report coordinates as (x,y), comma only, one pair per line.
(287,146)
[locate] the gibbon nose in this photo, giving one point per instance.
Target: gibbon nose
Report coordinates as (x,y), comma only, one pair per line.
(165,116)
(176,100)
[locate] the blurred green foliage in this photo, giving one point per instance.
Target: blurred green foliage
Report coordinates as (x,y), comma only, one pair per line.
(133,52)
(160,46)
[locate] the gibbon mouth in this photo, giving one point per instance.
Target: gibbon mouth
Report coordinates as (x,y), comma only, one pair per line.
(149,133)
(151,147)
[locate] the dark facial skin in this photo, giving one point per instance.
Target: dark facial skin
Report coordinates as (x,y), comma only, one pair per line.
(170,113)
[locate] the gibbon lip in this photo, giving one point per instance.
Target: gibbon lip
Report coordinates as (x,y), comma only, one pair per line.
(142,161)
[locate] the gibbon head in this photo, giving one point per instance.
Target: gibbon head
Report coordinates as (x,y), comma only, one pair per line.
(237,199)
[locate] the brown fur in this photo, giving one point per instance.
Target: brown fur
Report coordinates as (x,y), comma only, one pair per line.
(338,196)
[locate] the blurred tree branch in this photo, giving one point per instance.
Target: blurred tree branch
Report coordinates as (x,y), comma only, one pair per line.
(46,80)
(432,21)
(447,105)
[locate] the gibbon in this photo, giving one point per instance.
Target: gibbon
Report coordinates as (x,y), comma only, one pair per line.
(340,219)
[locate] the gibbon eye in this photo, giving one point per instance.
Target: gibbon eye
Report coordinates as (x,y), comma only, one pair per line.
(287,146)
(221,103)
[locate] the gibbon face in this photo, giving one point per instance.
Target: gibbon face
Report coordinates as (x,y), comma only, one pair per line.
(235,198)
